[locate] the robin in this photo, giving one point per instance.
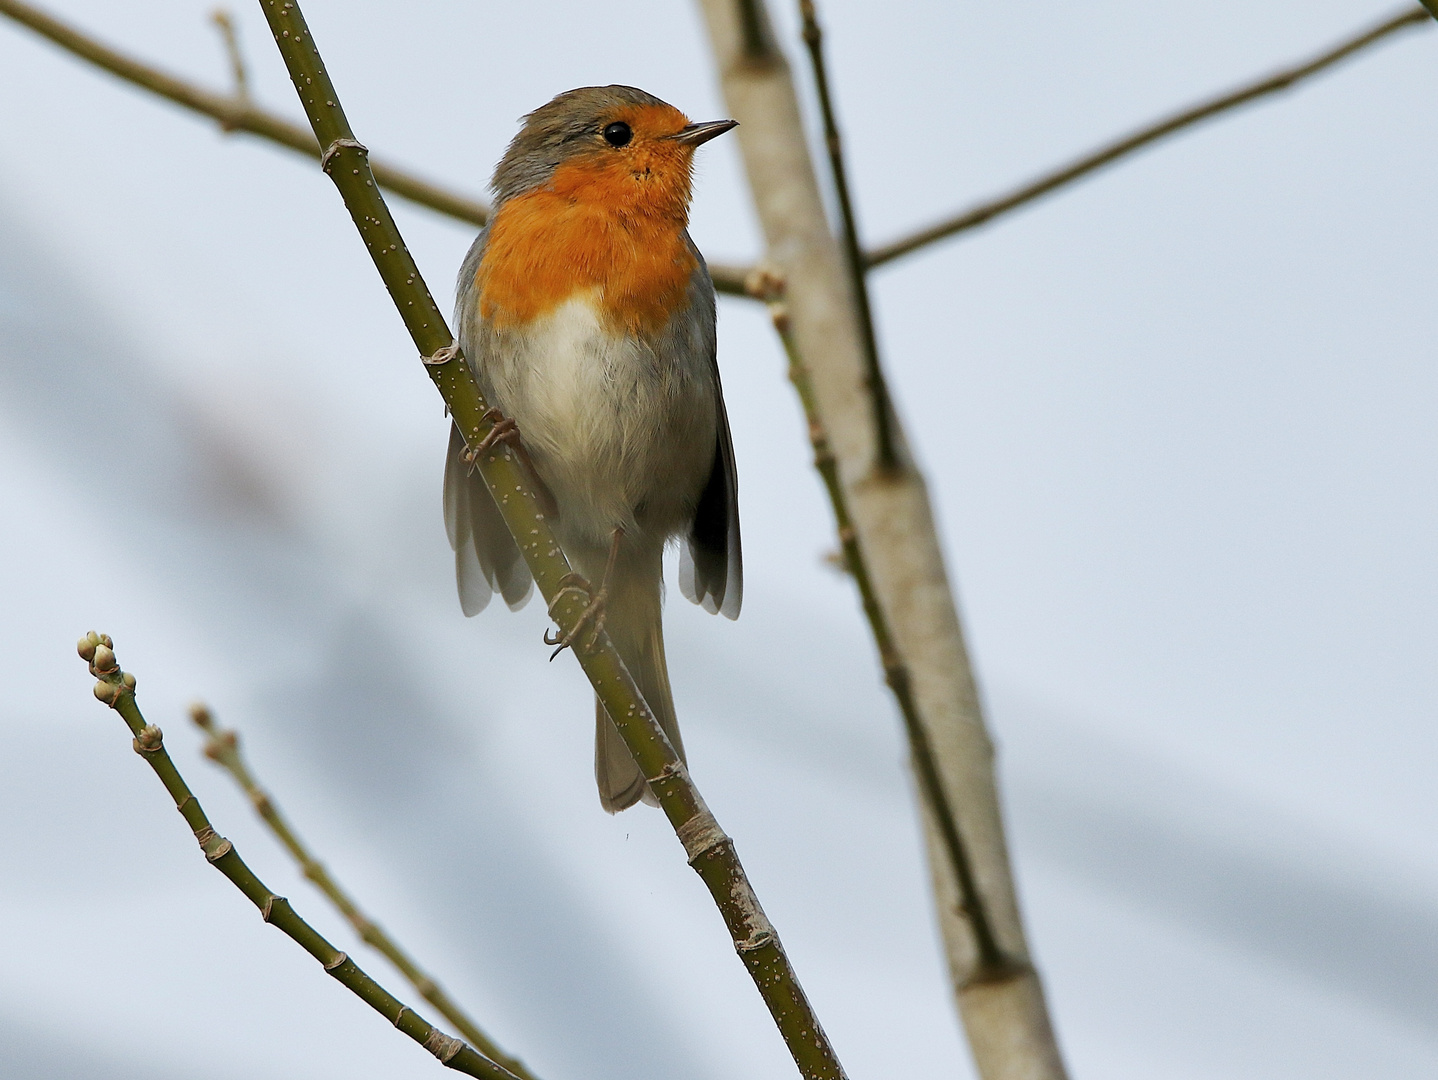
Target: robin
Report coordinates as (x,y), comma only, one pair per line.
(589,315)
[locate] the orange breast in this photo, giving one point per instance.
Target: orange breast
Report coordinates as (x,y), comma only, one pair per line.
(615,231)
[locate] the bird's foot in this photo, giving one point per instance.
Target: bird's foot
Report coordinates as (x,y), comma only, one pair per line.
(592,615)
(504,430)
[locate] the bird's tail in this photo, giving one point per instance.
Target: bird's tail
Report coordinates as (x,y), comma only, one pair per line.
(633,618)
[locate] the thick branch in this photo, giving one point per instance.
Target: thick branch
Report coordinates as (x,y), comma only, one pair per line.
(238,113)
(116,689)
(710,851)
(1005,1017)
(223,747)
(1170,125)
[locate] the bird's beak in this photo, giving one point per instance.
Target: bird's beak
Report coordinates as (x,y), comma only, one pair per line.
(699,134)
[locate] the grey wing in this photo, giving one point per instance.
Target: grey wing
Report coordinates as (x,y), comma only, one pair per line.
(486,559)
(711,564)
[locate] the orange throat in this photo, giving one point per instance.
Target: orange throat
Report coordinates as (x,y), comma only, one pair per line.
(608,227)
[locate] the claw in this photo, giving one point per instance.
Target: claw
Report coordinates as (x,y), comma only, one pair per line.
(593,613)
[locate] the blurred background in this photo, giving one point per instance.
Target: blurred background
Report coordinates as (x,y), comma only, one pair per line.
(1179,425)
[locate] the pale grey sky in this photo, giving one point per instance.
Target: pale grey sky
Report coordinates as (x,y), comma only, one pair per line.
(1179,424)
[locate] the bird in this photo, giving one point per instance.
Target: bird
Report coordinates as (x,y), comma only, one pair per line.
(588,315)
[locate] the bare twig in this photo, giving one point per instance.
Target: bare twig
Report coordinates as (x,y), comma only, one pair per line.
(226,25)
(1110,152)
(237,113)
(992,963)
(710,851)
(849,235)
(1005,1017)
(116,689)
(223,747)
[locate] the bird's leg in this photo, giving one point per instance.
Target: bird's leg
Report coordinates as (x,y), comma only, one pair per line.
(593,613)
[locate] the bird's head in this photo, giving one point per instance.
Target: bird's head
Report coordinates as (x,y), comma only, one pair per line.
(614,146)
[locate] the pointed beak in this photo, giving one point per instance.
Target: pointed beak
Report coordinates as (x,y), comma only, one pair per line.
(699,134)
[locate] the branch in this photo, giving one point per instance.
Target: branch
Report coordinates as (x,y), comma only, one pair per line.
(992,963)
(236,112)
(997,989)
(225,23)
(1107,154)
(853,256)
(223,747)
(710,851)
(116,689)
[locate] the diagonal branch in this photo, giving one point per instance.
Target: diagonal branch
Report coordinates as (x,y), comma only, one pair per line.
(1119,148)
(116,689)
(710,851)
(223,747)
(886,456)
(992,963)
(236,112)
(998,991)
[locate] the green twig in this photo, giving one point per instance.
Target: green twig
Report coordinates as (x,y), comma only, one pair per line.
(1107,154)
(710,851)
(992,963)
(116,689)
(223,747)
(237,113)
(225,23)
(884,452)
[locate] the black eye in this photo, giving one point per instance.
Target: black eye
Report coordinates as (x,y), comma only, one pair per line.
(618,134)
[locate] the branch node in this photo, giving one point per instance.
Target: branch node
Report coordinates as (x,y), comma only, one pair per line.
(220,850)
(441,1045)
(327,158)
(335,964)
(701,834)
(150,739)
(765,282)
(442,356)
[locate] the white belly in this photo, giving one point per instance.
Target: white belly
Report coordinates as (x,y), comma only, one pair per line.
(622,429)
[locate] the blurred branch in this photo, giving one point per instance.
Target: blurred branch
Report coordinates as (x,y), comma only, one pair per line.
(234,112)
(1119,148)
(223,747)
(226,24)
(116,689)
(849,236)
(996,987)
(237,113)
(992,963)
(710,851)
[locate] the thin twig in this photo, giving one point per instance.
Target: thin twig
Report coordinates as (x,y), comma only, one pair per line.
(710,851)
(116,689)
(992,963)
(226,24)
(223,747)
(1110,152)
(884,453)
(236,113)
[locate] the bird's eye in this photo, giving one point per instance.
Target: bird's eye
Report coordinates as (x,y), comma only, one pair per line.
(618,134)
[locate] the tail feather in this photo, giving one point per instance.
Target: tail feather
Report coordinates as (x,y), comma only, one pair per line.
(633,618)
